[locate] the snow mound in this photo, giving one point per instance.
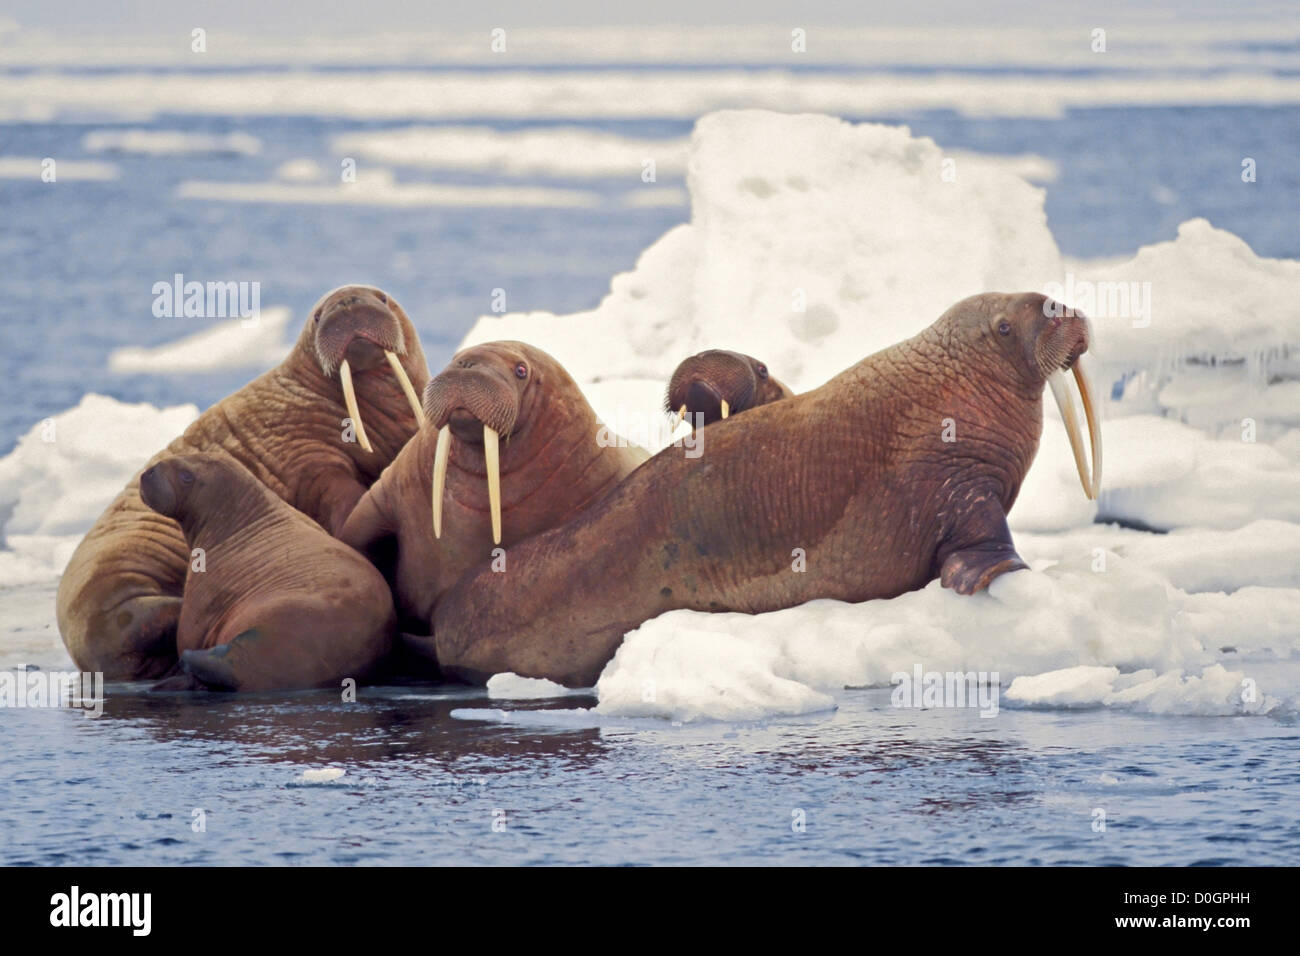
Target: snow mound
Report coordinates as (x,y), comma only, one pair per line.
(64,472)
(513,687)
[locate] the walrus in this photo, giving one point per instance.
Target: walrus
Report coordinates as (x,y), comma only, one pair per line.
(716,384)
(898,470)
(509,447)
(358,358)
(275,603)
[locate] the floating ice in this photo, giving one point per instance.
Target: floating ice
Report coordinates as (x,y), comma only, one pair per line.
(165,142)
(257,342)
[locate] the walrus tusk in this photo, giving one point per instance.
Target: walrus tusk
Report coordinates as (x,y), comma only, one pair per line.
(1065,402)
(440,476)
(681,414)
(407,387)
(493,459)
(350,399)
(726,409)
(1086,392)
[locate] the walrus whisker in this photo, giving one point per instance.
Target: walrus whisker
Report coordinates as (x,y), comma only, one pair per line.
(1086,392)
(493,458)
(350,399)
(1065,402)
(440,476)
(407,387)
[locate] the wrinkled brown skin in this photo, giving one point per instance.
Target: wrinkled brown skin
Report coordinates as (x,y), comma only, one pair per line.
(704,380)
(856,473)
(279,604)
(120,597)
(552,468)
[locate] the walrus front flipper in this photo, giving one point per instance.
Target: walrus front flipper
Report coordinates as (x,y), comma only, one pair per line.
(211,667)
(986,550)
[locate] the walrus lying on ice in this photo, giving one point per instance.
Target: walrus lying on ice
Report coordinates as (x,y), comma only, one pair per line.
(899,470)
(716,384)
(357,358)
(509,448)
(277,604)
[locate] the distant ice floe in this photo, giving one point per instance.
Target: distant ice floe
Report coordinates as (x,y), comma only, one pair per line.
(170,143)
(551,151)
(378,187)
(65,170)
(563,95)
(234,343)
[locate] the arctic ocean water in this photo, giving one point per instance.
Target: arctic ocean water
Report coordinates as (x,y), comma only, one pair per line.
(864,783)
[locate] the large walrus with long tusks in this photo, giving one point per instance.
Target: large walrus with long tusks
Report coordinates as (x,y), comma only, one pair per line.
(277,604)
(509,447)
(358,359)
(899,470)
(716,384)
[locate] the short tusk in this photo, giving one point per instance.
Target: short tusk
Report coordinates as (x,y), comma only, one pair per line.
(407,387)
(1065,402)
(1086,392)
(492,456)
(726,409)
(440,476)
(681,414)
(350,399)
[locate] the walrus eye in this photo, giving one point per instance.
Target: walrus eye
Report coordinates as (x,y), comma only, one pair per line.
(187,478)
(762,370)
(1004,328)
(382,298)
(521,370)
(316,317)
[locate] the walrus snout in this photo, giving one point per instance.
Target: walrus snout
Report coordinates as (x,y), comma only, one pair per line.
(156,491)
(357,328)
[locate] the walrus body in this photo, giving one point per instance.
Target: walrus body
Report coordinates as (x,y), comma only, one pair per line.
(899,470)
(716,384)
(119,599)
(550,464)
(274,602)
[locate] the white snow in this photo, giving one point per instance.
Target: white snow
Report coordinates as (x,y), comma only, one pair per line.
(66,470)
(514,687)
(376,186)
(170,143)
(233,343)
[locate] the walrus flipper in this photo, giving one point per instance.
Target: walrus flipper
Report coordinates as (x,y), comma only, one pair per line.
(986,551)
(212,667)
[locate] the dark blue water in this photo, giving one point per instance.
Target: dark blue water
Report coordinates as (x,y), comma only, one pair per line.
(870,784)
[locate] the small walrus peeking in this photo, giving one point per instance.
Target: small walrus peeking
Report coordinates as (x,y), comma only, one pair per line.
(271,601)
(899,470)
(717,384)
(509,447)
(358,358)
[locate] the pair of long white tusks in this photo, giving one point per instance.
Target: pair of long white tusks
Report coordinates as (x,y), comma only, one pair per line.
(1065,401)
(350,399)
(407,387)
(440,476)
(491,454)
(726,409)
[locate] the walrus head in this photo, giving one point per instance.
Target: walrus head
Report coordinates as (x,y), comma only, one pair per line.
(1034,340)
(173,485)
(357,328)
(716,384)
(480,397)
